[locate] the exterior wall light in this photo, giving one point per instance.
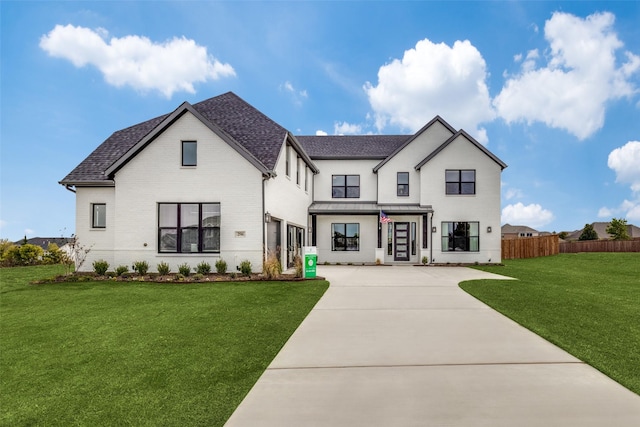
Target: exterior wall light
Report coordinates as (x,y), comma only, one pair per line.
(433,229)
(267,217)
(489,229)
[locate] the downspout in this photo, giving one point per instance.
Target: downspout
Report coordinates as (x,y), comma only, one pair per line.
(264,229)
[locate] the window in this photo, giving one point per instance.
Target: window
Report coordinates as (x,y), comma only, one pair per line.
(189,153)
(288,161)
(188,227)
(460,236)
(413,238)
(345,186)
(403,183)
(98,215)
(306,178)
(298,171)
(389,238)
(346,237)
(460,181)
(425,232)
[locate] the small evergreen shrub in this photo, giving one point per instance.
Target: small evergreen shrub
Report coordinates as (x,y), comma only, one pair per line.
(184,269)
(163,268)
(221,266)
(245,267)
(121,269)
(198,276)
(425,260)
(100,267)
(271,266)
(203,268)
(141,267)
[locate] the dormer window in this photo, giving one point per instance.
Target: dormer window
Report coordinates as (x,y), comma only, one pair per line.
(189,153)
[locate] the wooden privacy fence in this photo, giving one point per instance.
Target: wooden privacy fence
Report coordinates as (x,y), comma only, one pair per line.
(600,246)
(530,247)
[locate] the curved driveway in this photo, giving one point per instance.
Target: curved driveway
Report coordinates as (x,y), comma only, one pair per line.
(405,346)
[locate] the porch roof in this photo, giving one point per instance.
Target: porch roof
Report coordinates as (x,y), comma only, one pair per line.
(367,208)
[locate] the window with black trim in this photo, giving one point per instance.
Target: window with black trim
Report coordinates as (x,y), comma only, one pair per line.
(306,178)
(288,160)
(403,183)
(346,237)
(460,236)
(345,186)
(460,181)
(189,153)
(298,168)
(188,227)
(98,215)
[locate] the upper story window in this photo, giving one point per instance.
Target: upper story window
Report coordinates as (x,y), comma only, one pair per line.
(306,178)
(403,183)
(460,181)
(188,227)
(288,160)
(298,168)
(189,153)
(345,186)
(98,215)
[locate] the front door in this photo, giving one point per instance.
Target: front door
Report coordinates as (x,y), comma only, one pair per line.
(401,238)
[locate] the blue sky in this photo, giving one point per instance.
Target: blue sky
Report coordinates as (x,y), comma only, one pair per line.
(552,88)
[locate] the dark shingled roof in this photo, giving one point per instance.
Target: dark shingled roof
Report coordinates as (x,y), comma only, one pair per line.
(352,146)
(257,133)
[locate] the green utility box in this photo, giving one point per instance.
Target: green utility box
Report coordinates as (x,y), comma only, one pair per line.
(310,261)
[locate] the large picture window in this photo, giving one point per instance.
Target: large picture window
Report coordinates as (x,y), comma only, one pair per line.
(98,215)
(460,237)
(345,186)
(460,181)
(188,227)
(346,237)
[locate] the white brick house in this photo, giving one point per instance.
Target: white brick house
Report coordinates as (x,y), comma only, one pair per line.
(219,179)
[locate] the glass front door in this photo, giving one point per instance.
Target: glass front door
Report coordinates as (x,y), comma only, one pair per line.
(401,240)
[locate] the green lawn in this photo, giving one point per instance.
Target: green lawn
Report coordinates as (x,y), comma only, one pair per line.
(117,353)
(587,304)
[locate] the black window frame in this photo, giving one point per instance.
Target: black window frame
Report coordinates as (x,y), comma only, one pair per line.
(181,231)
(195,160)
(345,242)
(460,185)
(457,237)
(347,191)
(95,216)
(400,192)
(287,156)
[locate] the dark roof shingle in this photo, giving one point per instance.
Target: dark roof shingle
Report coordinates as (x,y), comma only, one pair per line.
(351,146)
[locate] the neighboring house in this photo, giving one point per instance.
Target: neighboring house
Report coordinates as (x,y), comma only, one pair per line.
(219,179)
(44,242)
(518,231)
(601,229)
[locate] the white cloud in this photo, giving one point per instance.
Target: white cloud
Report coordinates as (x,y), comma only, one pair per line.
(625,162)
(345,128)
(513,193)
(321,133)
(532,215)
(135,61)
(433,79)
(3,223)
(297,95)
(580,77)
(28,231)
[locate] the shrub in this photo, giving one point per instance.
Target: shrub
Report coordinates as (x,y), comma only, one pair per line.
(221,266)
(203,268)
(245,267)
(179,277)
(297,262)
(53,255)
(100,266)
(272,267)
(141,267)
(198,276)
(425,260)
(121,269)
(26,254)
(163,268)
(184,269)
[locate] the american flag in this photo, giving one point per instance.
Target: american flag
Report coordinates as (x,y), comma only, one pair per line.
(384,219)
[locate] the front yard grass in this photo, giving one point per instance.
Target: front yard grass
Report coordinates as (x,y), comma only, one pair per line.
(132,353)
(588,304)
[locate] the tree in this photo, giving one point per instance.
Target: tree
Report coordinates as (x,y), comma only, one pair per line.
(618,229)
(588,233)
(563,235)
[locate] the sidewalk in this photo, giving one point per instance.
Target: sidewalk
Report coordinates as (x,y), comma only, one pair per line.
(405,346)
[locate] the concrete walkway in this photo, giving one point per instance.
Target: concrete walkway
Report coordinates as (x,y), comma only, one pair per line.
(405,346)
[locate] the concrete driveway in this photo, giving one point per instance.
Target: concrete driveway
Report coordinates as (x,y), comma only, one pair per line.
(405,346)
